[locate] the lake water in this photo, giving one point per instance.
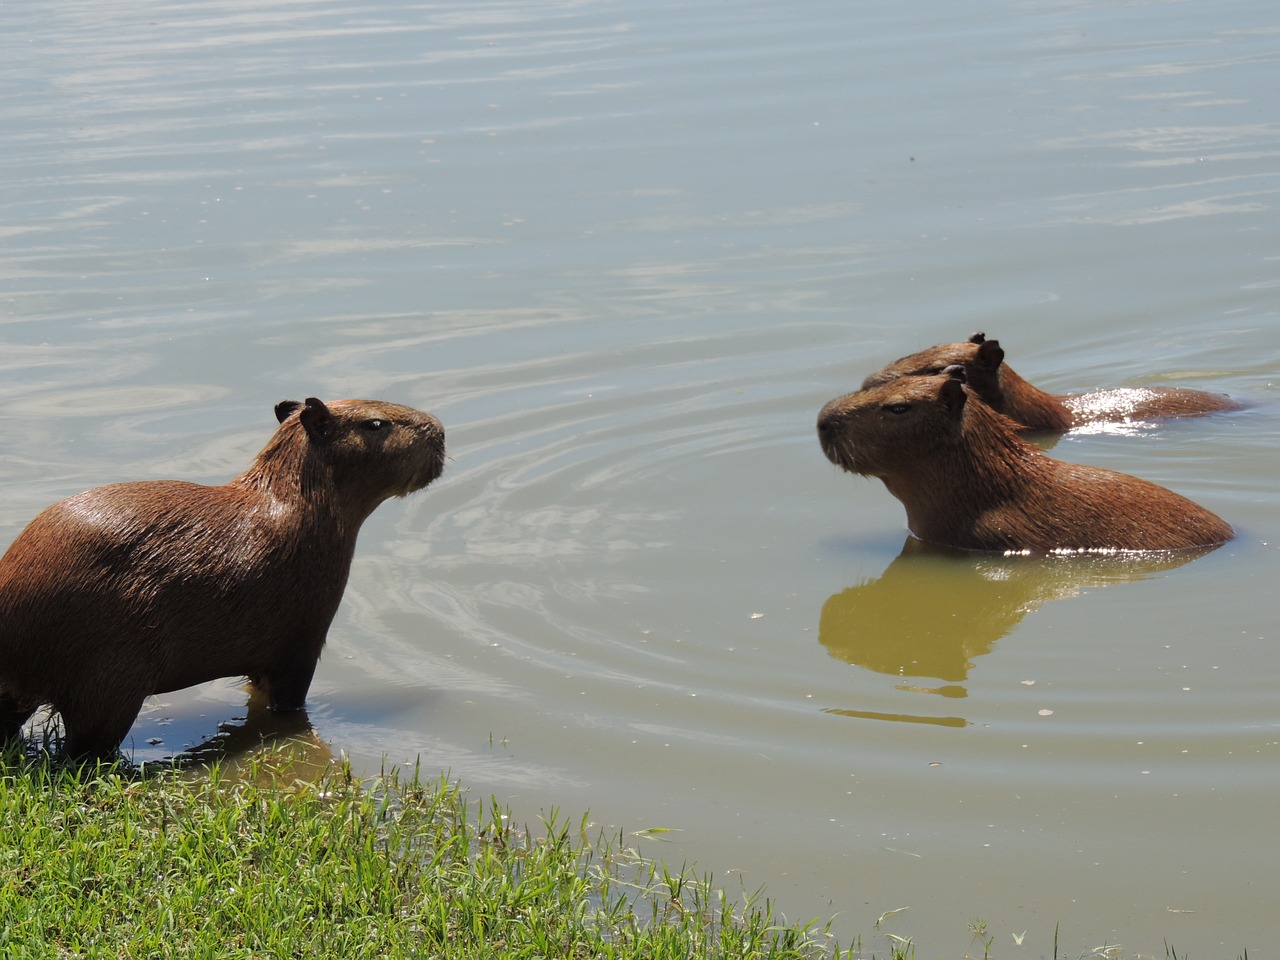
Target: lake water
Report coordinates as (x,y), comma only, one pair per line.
(626,251)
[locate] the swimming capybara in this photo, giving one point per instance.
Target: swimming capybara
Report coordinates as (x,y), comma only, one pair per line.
(969,480)
(133,589)
(1040,412)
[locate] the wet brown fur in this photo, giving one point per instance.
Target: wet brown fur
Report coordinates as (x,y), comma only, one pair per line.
(133,589)
(1040,412)
(968,480)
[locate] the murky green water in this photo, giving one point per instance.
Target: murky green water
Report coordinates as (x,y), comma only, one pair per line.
(626,251)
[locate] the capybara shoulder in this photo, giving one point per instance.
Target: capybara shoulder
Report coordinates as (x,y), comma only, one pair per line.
(1036,410)
(133,589)
(968,479)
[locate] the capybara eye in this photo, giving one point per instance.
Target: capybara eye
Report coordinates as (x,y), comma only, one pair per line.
(896,408)
(374,424)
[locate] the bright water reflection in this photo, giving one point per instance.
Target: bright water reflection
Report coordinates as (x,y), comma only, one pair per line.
(626,252)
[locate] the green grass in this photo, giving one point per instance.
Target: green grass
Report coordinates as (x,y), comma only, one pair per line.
(261,862)
(107,862)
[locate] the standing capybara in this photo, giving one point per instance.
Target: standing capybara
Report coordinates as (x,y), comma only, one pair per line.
(139,588)
(1041,412)
(968,480)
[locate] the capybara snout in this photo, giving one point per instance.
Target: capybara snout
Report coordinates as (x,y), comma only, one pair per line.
(132,589)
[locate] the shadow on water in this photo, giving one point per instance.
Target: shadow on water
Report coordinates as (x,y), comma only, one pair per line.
(290,745)
(289,737)
(934,611)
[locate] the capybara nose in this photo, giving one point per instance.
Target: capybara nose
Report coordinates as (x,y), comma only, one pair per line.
(829,419)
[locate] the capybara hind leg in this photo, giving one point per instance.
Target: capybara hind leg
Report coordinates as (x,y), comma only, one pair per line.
(14,712)
(96,733)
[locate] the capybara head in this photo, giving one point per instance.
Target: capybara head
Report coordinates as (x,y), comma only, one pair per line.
(980,358)
(132,589)
(373,450)
(882,430)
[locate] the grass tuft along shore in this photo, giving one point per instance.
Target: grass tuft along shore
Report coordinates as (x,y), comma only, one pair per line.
(110,862)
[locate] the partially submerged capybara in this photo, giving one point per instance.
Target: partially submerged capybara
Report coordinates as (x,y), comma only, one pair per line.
(1037,411)
(968,480)
(133,589)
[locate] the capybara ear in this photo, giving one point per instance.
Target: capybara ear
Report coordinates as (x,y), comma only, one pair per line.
(978,338)
(952,391)
(316,418)
(990,354)
(284,408)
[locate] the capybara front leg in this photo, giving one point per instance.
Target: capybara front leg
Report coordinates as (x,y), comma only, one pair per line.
(287,685)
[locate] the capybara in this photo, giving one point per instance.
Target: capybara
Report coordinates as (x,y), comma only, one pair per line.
(140,588)
(969,480)
(1040,412)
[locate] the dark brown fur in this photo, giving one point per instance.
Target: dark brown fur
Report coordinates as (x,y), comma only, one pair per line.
(968,480)
(134,589)
(1037,411)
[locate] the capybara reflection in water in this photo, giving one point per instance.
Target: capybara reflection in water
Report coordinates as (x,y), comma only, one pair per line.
(133,589)
(969,480)
(1037,411)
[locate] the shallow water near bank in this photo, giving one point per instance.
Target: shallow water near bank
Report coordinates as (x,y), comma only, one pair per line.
(625,252)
